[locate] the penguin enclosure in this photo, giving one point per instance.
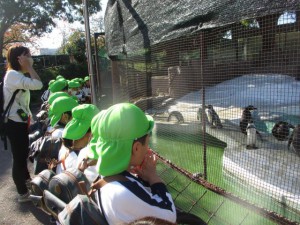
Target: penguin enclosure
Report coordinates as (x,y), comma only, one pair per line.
(222,81)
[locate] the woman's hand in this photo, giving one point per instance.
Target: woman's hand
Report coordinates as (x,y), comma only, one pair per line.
(26,62)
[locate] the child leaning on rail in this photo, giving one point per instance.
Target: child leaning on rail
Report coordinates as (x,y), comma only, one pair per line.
(120,143)
(76,134)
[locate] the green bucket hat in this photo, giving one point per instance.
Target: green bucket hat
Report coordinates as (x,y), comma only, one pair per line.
(59,77)
(58,85)
(82,116)
(59,106)
(73,84)
(55,95)
(50,82)
(75,98)
(81,81)
(92,151)
(118,127)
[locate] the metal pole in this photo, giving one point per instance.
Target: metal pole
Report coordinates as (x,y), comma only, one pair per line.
(98,74)
(89,50)
(203,106)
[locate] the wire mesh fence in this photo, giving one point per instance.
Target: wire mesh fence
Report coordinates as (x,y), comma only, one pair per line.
(226,102)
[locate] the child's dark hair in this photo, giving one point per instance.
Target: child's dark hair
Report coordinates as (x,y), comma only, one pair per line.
(65,88)
(68,143)
(142,139)
(69,113)
(13,56)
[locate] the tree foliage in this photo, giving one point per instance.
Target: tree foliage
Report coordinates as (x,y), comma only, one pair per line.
(17,33)
(38,15)
(75,46)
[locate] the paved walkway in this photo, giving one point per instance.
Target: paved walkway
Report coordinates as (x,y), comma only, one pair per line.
(12,212)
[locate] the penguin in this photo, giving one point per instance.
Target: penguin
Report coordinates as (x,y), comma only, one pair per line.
(281,130)
(294,140)
(251,135)
(246,118)
(199,115)
(213,117)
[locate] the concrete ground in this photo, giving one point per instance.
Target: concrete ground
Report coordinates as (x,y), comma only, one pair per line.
(271,169)
(12,212)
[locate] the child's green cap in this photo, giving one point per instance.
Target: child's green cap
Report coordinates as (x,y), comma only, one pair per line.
(82,116)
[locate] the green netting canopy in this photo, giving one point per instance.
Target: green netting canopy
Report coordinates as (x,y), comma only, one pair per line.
(131,25)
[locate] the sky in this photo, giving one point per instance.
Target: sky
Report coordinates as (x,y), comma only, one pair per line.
(54,39)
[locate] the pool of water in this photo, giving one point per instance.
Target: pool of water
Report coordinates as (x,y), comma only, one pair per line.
(186,151)
(266,125)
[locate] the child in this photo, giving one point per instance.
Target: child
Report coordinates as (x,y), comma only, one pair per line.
(76,135)
(121,147)
(60,113)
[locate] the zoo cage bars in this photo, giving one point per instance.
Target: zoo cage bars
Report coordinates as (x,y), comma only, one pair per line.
(197,69)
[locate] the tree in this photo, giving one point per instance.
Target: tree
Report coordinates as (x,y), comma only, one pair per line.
(97,24)
(16,34)
(39,15)
(75,46)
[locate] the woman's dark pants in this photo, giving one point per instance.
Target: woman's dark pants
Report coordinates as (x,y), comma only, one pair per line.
(17,133)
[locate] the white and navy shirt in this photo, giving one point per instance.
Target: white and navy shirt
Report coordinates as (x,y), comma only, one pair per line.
(126,201)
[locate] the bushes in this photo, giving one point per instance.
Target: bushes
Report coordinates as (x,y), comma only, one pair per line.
(68,71)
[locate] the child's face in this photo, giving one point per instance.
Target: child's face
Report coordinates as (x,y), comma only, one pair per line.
(145,147)
(140,155)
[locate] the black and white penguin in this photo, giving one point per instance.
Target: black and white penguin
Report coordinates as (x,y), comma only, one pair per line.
(281,130)
(213,117)
(246,118)
(294,140)
(251,135)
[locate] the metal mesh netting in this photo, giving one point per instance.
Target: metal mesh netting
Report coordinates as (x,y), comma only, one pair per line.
(226,102)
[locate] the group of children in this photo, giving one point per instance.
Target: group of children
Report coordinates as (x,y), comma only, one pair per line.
(109,143)
(79,88)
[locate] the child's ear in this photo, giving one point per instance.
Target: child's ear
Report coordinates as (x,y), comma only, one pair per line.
(135,147)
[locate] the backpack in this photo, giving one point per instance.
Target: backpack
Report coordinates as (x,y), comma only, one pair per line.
(43,151)
(48,203)
(4,113)
(41,182)
(66,184)
(82,211)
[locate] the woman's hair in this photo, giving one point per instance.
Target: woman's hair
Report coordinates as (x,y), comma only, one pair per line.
(12,56)
(151,221)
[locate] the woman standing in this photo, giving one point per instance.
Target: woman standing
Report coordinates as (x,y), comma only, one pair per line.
(19,63)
